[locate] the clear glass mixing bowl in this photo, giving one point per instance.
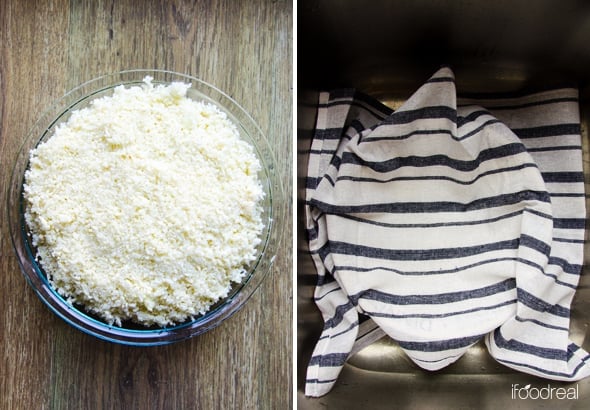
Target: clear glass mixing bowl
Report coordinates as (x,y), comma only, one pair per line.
(129,333)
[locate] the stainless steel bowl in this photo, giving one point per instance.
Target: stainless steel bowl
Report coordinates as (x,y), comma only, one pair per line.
(387,49)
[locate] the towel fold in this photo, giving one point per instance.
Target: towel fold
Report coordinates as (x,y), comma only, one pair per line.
(448,221)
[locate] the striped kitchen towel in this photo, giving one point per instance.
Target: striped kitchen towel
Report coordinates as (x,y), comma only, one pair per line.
(446,222)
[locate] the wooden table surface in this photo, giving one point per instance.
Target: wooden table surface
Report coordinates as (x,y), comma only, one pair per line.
(243,47)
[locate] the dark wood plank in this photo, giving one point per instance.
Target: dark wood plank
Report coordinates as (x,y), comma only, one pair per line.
(241,47)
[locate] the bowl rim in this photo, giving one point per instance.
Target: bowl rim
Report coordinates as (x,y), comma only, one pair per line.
(220,311)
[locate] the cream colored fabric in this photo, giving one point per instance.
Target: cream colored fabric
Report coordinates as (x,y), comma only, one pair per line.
(447,222)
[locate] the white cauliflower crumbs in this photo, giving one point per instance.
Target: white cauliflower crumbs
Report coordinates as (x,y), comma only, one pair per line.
(145,205)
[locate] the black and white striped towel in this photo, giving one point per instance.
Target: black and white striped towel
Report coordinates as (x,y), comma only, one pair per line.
(447,222)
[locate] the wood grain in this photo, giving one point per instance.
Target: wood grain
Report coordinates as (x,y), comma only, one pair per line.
(244,48)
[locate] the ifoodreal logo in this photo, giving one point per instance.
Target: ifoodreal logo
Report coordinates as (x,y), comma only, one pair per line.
(548,392)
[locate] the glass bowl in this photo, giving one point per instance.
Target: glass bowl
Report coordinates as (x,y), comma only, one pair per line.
(129,333)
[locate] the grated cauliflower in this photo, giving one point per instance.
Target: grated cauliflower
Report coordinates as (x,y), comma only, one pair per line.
(145,205)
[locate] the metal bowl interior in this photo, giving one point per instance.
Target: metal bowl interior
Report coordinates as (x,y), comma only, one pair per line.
(493,47)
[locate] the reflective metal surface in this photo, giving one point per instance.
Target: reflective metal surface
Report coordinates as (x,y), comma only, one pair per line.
(387,49)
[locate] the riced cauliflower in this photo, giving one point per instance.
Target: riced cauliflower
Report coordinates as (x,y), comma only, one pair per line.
(145,205)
